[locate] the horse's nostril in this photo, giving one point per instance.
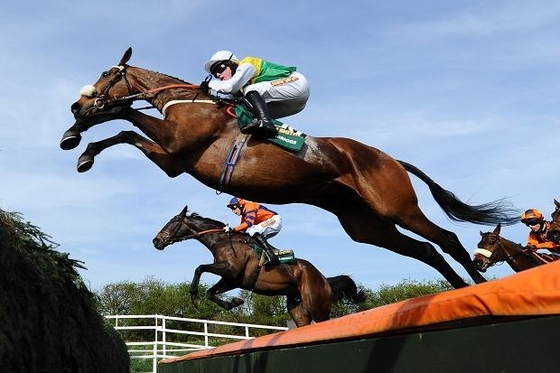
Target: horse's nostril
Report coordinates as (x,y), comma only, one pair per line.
(75,108)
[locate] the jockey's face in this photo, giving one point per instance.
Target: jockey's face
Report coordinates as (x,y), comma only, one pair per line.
(225,74)
(236,209)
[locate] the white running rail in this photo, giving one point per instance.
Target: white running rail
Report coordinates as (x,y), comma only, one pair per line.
(176,336)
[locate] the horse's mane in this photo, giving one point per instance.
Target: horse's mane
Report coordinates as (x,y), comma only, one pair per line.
(207,220)
(169,76)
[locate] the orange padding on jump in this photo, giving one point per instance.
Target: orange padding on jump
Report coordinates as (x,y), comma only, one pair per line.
(532,292)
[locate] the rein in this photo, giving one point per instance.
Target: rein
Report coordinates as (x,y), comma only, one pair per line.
(100,102)
(509,257)
(198,234)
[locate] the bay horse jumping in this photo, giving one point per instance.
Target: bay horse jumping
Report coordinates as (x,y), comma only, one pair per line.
(309,295)
(493,249)
(369,192)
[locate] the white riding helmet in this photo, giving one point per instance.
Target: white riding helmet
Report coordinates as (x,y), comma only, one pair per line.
(220,56)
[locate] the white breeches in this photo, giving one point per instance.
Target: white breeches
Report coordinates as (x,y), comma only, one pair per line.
(284,97)
(268,228)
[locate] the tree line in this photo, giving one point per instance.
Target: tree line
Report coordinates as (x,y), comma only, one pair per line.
(154,296)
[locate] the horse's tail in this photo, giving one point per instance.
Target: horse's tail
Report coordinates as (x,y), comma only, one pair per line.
(343,287)
(491,213)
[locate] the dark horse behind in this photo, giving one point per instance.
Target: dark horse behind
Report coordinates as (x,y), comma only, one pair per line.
(494,249)
(309,295)
(370,193)
(553,233)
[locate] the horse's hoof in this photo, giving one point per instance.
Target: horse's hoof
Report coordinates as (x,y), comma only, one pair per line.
(235,302)
(84,164)
(70,140)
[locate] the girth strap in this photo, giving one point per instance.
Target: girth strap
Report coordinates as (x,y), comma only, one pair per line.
(231,161)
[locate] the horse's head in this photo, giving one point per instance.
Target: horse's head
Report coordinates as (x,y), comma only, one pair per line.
(489,250)
(105,100)
(183,227)
(107,95)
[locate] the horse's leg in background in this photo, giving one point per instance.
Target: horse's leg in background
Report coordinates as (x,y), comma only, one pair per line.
(297,311)
(220,269)
(221,287)
(169,164)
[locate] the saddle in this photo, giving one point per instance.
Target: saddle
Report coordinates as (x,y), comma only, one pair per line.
(287,137)
(284,256)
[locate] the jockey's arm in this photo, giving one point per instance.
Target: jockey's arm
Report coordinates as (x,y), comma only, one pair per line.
(242,76)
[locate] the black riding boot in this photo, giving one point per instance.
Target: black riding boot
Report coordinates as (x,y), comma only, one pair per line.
(267,248)
(261,125)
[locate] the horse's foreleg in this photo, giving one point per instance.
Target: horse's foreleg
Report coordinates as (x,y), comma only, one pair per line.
(72,136)
(169,164)
(219,269)
(221,287)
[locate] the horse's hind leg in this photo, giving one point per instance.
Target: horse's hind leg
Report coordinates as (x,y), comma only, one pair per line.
(385,234)
(298,312)
(425,252)
(363,225)
(315,293)
(168,163)
(448,241)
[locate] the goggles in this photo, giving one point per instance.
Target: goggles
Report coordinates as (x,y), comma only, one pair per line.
(532,222)
(218,68)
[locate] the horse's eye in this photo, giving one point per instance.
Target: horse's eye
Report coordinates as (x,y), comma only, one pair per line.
(104,74)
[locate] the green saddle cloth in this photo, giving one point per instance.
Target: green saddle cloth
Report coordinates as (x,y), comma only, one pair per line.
(284,256)
(287,137)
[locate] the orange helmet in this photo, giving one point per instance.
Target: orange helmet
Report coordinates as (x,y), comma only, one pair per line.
(532,214)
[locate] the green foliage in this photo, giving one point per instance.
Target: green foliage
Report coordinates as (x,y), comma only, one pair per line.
(49,317)
(405,289)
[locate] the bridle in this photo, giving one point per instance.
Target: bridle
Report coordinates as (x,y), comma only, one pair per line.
(170,237)
(101,100)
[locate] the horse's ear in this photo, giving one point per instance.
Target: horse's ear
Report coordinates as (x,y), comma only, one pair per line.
(481,234)
(497,230)
(556,203)
(184,210)
(126,56)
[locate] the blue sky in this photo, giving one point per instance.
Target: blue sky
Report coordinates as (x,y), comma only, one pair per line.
(468,91)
